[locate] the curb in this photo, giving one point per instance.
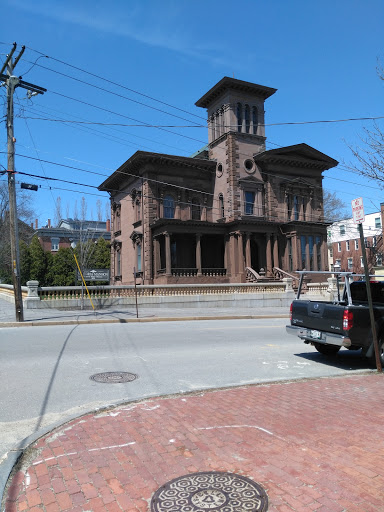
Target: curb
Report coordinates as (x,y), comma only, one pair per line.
(43,323)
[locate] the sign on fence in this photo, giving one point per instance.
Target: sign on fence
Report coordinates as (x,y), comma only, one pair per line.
(92,274)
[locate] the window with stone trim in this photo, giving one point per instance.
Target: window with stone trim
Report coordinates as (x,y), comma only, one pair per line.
(138,257)
(55,242)
(253,201)
(196,209)
(169,207)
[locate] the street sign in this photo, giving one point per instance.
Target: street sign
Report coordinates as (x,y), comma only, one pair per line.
(358,210)
(99,274)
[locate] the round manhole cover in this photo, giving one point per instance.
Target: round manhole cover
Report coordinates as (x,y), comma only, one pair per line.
(113,377)
(197,492)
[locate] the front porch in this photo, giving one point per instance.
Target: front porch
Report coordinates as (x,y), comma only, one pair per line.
(212,257)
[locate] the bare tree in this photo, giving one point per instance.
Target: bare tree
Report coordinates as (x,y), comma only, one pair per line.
(107,210)
(58,212)
(25,214)
(369,153)
(67,210)
(75,210)
(83,208)
(334,208)
(98,209)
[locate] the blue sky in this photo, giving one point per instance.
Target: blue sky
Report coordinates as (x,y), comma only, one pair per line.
(321,56)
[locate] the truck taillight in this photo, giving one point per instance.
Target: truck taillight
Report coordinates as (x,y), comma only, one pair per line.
(290,312)
(347,320)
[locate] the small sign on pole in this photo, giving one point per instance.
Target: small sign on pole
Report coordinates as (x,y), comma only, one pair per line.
(358,218)
(358,210)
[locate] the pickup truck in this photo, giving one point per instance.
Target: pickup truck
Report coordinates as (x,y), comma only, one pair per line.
(344,322)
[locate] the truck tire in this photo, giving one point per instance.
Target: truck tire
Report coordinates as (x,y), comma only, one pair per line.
(327,350)
(380,342)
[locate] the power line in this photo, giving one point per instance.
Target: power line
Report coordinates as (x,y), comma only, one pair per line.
(121,115)
(104,79)
(111,137)
(107,91)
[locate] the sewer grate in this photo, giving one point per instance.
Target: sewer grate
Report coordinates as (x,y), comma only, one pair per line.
(212,490)
(113,377)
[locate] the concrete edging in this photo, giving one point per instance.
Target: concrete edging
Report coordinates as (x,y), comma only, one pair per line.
(44,323)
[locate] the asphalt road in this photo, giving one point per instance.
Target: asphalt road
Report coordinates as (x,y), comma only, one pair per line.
(45,371)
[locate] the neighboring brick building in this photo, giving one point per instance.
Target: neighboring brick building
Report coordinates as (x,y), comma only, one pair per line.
(230,207)
(70,232)
(345,248)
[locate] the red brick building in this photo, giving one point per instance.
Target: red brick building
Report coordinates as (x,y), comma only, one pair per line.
(232,207)
(70,232)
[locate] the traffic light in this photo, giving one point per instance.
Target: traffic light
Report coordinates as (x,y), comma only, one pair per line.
(29,186)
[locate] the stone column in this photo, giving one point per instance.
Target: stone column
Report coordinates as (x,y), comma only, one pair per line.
(275,251)
(227,259)
(307,257)
(168,268)
(198,255)
(233,253)
(269,255)
(156,257)
(295,252)
(324,254)
(33,299)
(240,253)
(315,255)
(247,250)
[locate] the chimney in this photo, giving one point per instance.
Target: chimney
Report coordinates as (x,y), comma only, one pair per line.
(49,223)
(36,224)
(108,225)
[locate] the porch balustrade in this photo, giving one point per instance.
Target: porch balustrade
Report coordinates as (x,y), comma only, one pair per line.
(192,272)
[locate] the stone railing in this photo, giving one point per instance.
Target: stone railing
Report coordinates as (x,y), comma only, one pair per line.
(6,292)
(192,272)
(167,295)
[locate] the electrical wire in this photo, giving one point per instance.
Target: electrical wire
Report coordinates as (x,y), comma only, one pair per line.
(104,79)
(109,92)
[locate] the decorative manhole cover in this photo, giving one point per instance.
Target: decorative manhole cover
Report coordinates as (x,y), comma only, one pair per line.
(212,490)
(113,377)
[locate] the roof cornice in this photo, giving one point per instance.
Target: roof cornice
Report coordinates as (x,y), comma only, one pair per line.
(233,84)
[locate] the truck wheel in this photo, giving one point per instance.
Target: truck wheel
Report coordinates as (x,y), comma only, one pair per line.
(327,350)
(380,342)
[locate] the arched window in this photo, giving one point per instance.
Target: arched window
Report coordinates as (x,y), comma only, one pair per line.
(247,117)
(169,207)
(221,205)
(255,120)
(239,117)
(196,209)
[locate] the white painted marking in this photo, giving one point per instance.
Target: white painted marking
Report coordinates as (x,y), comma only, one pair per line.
(172,440)
(27,480)
(242,426)
(150,408)
(91,450)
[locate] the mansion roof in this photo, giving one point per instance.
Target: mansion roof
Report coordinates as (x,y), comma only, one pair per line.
(235,85)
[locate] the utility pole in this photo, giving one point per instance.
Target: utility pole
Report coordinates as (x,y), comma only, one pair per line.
(11,81)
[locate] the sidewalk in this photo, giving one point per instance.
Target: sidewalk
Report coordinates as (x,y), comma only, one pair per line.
(312,445)
(120,314)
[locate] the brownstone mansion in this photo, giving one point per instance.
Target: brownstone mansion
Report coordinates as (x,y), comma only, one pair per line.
(232,210)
